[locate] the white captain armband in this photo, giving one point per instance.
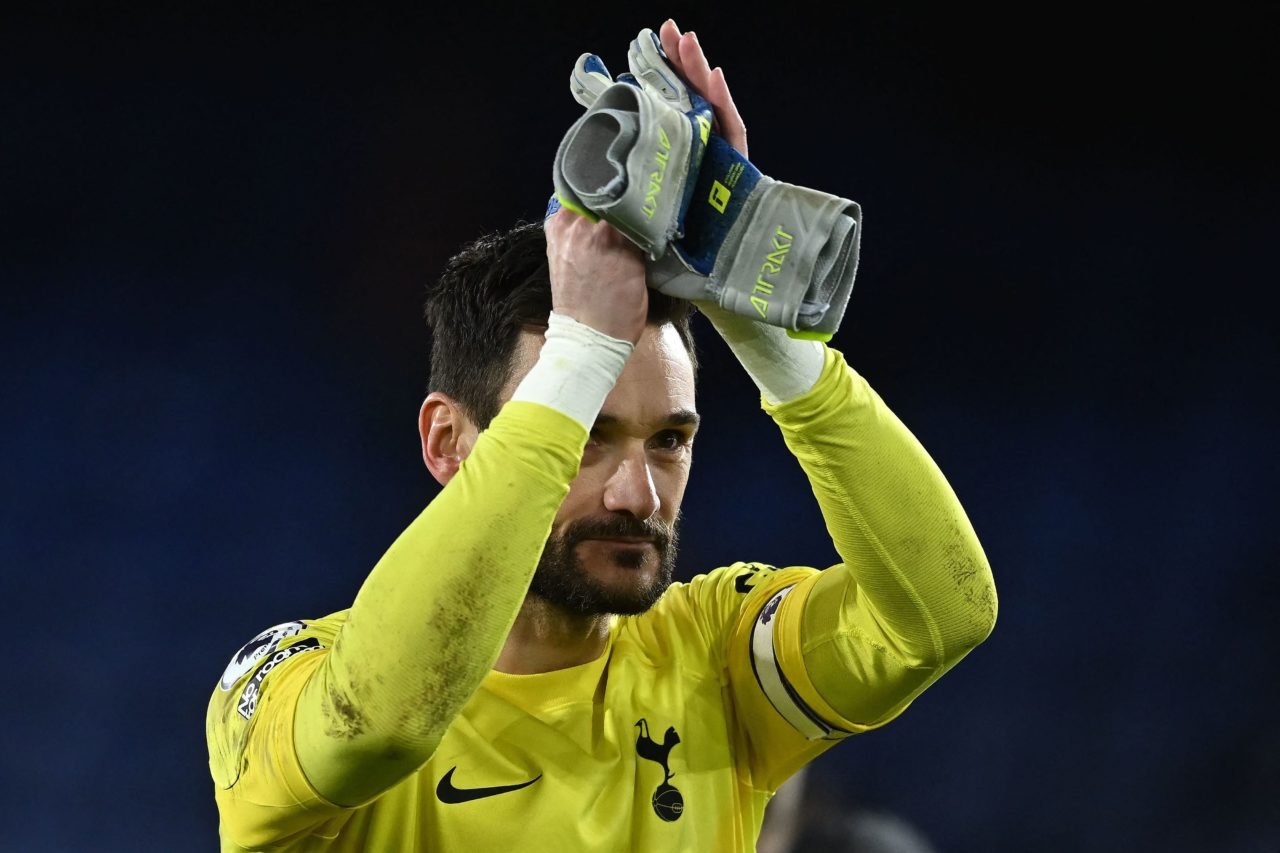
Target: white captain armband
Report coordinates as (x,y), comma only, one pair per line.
(783,697)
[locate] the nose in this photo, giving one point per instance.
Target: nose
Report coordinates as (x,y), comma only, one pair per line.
(630,488)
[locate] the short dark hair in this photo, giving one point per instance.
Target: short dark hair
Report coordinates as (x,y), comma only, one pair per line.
(490,290)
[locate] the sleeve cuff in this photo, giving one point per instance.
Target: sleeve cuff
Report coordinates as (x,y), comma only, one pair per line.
(837,388)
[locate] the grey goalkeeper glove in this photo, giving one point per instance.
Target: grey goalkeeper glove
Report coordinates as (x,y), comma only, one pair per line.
(715,228)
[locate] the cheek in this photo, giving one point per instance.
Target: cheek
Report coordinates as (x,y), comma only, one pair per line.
(670,481)
(586,495)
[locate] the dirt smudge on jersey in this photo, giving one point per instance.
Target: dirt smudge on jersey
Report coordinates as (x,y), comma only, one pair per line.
(455,671)
(345,719)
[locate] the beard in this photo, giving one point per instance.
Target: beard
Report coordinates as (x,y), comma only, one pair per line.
(562,579)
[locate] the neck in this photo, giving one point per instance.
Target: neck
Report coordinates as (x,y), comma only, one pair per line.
(545,638)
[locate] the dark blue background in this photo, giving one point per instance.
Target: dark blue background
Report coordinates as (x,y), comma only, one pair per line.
(216,228)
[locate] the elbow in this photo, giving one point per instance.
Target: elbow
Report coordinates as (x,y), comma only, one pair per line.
(974,619)
(352,750)
(968,638)
(360,771)
(962,615)
(390,747)
(397,753)
(986,605)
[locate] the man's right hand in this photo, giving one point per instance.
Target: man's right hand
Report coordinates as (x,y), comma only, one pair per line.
(597,275)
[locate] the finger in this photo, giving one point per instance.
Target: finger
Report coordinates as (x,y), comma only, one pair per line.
(559,220)
(565,219)
(694,63)
(552,227)
(732,127)
(687,58)
(589,79)
(669,35)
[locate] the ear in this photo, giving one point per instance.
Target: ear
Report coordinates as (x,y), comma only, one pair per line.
(447,435)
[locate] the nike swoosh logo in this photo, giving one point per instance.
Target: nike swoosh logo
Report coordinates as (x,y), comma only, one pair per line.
(447,793)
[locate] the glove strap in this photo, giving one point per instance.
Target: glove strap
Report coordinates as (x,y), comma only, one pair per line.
(775,252)
(811,242)
(792,260)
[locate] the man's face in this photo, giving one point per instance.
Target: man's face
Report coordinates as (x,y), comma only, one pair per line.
(613,543)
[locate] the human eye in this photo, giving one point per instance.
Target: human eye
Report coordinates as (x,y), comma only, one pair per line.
(672,440)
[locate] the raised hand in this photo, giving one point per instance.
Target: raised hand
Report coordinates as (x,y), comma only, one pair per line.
(597,275)
(714,228)
(685,55)
(682,54)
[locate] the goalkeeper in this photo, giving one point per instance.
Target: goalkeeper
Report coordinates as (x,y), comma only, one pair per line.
(518,671)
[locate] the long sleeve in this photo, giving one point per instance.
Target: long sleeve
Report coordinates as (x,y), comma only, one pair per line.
(311,719)
(433,614)
(914,592)
(337,711)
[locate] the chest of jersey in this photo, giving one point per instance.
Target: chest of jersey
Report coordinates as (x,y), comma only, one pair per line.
(625,753)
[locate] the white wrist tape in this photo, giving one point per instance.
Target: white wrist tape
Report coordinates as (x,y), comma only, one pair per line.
(575,370)
(782,367)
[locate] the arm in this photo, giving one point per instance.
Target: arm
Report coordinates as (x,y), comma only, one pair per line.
(433,615)
(914,592)
(372,699)
(341,726)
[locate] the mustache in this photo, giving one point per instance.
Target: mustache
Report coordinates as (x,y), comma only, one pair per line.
(619,526)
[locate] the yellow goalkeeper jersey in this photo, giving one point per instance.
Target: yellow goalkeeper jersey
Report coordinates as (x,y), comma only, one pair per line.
(674,739)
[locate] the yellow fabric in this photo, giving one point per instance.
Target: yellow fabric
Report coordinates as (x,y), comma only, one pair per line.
(914,592)
(423,632)
(790,645)
(261,791)
(667,741)
(679,667)
(447,591)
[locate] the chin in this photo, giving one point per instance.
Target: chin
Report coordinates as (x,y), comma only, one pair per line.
(599,578)
(631,602)
(626,590)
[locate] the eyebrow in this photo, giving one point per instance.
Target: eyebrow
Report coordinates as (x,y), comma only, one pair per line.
(680,417)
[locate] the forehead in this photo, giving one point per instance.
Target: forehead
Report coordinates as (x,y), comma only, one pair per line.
(657,380)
